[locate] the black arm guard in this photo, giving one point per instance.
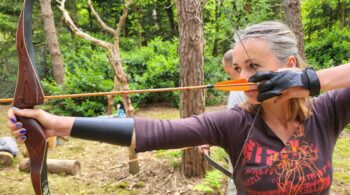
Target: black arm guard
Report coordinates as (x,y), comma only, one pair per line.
(110,130)
(313,81)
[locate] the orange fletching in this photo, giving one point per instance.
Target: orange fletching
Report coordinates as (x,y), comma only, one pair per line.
(234,85)
(232,82)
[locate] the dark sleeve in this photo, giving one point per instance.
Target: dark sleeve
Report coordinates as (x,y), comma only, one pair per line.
(334,107)
(213,128)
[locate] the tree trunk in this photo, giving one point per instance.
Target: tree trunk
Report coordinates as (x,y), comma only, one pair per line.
(248,7)
(139,30)
(52,41)
(292,16)
(217,26)
(121,79)
(341,8)
(191,73)
(110,98)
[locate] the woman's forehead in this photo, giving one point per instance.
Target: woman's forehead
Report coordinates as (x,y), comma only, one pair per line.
(253,49)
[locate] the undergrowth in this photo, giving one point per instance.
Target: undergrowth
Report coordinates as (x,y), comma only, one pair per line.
(212,182)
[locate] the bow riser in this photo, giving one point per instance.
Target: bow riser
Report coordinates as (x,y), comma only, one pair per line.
(29,93)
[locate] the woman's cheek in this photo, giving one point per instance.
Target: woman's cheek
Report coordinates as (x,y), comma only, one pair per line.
(252,98)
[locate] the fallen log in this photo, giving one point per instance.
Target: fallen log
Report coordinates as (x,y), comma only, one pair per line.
(6,158)
(69,167)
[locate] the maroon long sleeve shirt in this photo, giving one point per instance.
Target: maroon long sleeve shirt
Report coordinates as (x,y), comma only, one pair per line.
(268,166)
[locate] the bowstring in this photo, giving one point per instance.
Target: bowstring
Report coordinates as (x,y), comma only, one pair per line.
(235,27)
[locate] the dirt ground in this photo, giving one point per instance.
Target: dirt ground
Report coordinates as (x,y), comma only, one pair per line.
(104,167)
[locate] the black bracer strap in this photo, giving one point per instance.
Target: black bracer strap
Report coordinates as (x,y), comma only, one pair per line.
(313,81)
(217,166)
(110,130)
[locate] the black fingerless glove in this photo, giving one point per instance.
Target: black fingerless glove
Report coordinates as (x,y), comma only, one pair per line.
(273,83)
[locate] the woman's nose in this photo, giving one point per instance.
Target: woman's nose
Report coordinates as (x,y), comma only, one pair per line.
(246,75)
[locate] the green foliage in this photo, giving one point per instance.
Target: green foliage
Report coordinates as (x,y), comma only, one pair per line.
(87,72)
(323,15)
(9,13)
(223,16)
(211,183)
(7,24)
(213,180)
(332,49)
(173,156)
(157,66)
(213,72)
(8,69)
(154,66)
(326,32)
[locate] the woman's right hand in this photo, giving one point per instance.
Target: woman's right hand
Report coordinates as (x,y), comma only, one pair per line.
(53,125)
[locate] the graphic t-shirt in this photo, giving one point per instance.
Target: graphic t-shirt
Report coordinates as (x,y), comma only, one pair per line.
(268,166)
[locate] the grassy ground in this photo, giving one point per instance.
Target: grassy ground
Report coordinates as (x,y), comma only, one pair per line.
(341,159)
(105,167)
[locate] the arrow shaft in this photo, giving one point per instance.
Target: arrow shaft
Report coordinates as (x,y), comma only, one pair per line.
(9,100)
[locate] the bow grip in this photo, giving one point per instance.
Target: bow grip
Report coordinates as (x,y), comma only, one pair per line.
(36,144)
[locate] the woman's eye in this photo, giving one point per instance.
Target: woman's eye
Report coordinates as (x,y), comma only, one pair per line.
(237,69)
(254,66)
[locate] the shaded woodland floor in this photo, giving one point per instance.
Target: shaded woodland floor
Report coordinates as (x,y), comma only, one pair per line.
(105,167)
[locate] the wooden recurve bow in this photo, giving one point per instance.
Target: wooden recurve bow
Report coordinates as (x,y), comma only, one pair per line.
(29,93)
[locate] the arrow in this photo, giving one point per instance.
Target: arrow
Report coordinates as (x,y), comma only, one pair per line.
(230,85)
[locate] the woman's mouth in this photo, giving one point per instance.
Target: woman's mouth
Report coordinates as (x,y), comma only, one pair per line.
(251,92)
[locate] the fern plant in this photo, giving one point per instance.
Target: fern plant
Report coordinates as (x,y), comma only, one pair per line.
(212,183)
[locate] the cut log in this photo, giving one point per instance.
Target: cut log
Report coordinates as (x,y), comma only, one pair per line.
(52,142)
(6,158)
(69,167)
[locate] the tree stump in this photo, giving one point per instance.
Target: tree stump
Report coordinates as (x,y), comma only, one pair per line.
(6,159)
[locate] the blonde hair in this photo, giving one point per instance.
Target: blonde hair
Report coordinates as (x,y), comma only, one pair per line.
(282,42)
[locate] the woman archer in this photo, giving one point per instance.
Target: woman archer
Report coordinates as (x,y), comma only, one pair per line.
(281,138)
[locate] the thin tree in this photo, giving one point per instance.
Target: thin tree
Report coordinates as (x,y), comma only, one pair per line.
(191,36)
(52,41)
(120,80)
(172,24)
(54,49)
(292,15)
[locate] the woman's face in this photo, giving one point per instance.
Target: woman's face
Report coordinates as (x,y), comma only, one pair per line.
(229,69)
(261,59)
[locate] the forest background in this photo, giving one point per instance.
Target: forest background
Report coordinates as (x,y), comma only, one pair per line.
(149,46)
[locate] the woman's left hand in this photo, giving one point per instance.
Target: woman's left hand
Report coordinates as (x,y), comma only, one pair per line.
(53,125)
(286,84)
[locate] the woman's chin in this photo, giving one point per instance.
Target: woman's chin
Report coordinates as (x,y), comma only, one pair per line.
(252,100)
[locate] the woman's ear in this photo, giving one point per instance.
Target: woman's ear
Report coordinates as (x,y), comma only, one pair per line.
(292,62)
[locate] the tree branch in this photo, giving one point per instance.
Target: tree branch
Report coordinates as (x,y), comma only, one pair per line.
(121,23)
(104,26)
(78,32)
